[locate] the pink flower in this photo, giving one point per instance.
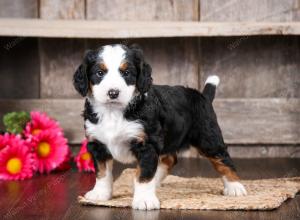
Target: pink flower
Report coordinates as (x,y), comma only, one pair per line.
(16,160)
(40,122)
(84,160)
(50,150)
(4,139)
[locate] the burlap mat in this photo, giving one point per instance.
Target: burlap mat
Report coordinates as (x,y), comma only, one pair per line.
(205,193)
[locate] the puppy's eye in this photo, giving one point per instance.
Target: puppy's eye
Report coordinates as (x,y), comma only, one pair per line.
(126,73)
(100,73)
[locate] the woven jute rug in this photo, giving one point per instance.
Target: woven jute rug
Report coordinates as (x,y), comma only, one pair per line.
(205,193)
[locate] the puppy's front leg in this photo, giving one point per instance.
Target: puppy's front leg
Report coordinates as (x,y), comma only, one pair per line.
(103,164)
(144,197)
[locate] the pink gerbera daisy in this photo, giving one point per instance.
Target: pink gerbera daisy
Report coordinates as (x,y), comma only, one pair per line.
(16,160)
(4,140)
(40,122)
(84,159)
(50,150)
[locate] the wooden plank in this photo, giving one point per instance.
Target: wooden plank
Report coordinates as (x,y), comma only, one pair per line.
(140,29)
(253,151)
(57,9)
(169,66)
(255,10)
(243,121)
(142,10)
(259,121)
(60,57)
(59,61)
(18,9)
(19,62)
(262,66)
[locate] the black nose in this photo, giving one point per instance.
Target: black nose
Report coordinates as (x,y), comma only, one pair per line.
(113,93)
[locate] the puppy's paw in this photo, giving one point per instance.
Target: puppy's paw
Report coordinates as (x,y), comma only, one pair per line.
(143,202)
(98,195)
(234,189)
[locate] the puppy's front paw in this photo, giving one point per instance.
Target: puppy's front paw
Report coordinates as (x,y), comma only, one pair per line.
(143,202)
(234,189)
(98,195)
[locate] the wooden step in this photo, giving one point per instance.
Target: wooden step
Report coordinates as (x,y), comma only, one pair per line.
(243,121)
(143,29)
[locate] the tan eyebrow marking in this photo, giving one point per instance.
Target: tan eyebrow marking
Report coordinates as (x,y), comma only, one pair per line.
(103,66)
(123,66)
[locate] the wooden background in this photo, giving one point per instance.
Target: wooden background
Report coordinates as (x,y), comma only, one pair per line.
(257,101)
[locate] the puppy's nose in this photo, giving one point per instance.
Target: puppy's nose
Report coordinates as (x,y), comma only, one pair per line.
(113,93)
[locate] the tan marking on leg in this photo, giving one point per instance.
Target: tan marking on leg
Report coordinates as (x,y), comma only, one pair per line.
(168,160)
(224,170)
(102,166)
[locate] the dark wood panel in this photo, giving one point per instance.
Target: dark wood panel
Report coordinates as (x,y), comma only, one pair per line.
(19,8)
(57,9)
(244,10)
(253,67)
(252,151)
(174,10)
(243,121)
(60,57)
(59,60)
(19,68)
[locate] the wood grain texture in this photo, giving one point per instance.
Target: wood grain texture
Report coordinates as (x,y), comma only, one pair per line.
(174,61)
(244,10)
(60,58)
(19,68)
(59,61)
(57,9)
(253,67)
(251,121)
(142,10)
(253,151)
(18,8)
(140,29)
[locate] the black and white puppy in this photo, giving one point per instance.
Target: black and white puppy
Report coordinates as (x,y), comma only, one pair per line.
(130,120)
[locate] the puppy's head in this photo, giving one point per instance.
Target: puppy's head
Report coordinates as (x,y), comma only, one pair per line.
(113,74)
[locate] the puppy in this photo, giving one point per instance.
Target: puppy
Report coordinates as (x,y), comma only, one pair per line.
(129,119)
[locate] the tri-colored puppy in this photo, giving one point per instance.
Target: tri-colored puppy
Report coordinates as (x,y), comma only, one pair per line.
(129,119)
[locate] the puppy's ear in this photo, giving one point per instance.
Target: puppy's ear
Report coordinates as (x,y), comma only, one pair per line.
(80,80)
(144,79)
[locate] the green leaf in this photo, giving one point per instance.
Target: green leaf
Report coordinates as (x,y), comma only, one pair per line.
(15,122)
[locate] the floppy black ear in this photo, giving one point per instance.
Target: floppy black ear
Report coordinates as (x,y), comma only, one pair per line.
(80,80)
(144,79)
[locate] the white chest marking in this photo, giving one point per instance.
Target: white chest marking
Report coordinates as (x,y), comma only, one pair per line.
(115,132)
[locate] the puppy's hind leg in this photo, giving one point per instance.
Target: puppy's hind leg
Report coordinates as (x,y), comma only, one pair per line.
(224,165)
(165,164)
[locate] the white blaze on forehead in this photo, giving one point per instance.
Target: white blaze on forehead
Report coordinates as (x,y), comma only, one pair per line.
(113,56)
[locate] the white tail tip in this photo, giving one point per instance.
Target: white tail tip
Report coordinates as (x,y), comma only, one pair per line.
(215,80)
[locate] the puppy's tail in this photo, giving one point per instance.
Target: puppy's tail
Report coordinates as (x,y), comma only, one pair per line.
(211,84)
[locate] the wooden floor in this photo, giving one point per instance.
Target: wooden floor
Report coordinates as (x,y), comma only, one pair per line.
(54,196)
